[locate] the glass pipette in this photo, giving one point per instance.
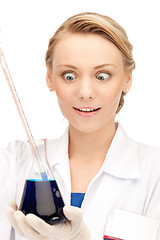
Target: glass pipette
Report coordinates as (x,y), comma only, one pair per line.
(41,165)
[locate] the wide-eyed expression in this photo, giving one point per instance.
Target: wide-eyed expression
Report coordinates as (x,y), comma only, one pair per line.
(88,75)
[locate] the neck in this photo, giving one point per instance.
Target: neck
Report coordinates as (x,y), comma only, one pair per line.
(90,146)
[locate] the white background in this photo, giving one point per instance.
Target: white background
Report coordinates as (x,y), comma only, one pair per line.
(26,27)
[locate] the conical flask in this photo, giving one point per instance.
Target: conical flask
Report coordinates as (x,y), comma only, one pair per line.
(41,196)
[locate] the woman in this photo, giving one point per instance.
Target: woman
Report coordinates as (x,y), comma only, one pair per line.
(89,66)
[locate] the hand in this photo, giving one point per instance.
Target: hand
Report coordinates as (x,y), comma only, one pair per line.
(34,228)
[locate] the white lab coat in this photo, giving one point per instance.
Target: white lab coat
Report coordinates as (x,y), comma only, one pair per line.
(129,179)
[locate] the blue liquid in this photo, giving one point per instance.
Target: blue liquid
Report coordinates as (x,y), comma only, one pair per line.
(43,199)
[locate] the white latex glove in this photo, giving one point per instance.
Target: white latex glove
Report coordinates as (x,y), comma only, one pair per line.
(34,228)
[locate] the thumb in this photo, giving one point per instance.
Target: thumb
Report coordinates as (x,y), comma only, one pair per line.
(79,228)
(73,214)
(13,205)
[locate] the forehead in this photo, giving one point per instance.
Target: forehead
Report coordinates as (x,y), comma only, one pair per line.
(90,49)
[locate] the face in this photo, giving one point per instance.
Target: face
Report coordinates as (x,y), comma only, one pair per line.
(88,76)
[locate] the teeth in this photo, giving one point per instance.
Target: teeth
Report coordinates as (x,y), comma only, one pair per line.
(87,110)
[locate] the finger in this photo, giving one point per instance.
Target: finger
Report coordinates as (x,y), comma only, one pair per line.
(79,228)
(13,205)
(74,214)
(10,215)
(47,230)
(38,224)
(26,228)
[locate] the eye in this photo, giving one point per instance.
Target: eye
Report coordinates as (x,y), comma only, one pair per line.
(69,76)
(103,76)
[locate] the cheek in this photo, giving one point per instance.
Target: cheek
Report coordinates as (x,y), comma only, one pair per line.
(62,90)
(111,95)
(63,94)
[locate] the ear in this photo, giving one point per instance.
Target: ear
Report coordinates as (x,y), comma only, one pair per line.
(49,81)
(128,82)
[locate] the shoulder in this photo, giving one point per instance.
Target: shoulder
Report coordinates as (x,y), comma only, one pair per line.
(136,155)
(143,151)
(148,158)
(13,157)
(148,152)
(14,149)
(13,161)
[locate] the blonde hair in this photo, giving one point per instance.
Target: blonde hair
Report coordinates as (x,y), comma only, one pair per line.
(94,23)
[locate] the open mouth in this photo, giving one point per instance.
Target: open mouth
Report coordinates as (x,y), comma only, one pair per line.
(87,110)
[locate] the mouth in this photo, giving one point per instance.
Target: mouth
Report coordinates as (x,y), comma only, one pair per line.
(87,110)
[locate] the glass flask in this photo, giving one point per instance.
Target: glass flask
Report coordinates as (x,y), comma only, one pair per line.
(41,195)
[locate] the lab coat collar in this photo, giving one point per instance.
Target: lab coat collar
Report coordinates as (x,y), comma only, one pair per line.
(57,149)
(121,160)
(122,157)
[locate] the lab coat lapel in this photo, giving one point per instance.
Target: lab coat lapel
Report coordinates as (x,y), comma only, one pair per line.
(57,152)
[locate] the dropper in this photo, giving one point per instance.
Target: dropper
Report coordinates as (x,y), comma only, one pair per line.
(8,77)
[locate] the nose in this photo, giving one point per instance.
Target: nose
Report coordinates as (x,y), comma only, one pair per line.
(86,89)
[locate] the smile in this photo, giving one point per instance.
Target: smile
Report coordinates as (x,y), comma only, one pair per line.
(87,110)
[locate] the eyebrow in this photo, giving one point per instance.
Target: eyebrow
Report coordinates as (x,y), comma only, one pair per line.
(99,66)
(105,65)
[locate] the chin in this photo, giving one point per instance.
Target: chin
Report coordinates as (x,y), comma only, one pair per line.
(87,128)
